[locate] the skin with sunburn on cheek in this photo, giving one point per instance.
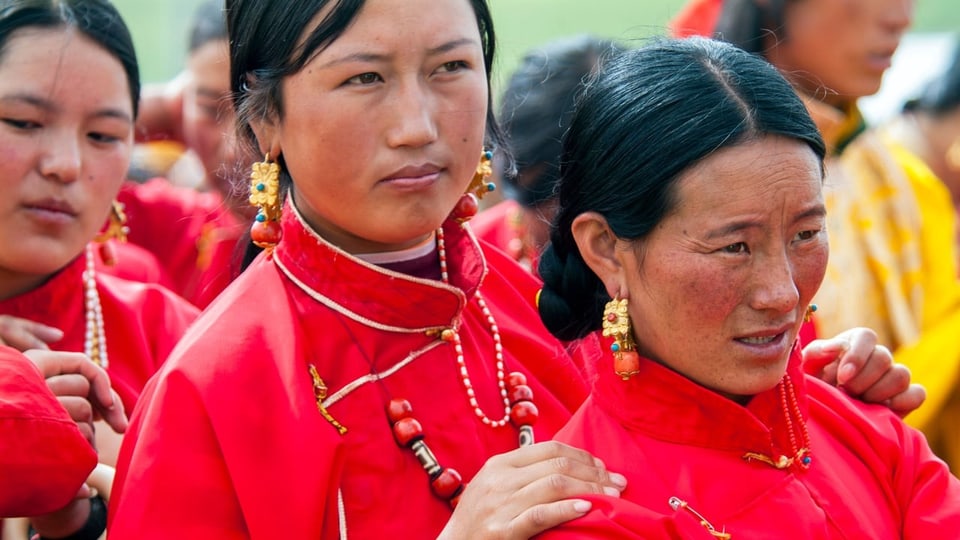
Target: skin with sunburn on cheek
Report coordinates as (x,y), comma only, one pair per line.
(718,290)
(402,93)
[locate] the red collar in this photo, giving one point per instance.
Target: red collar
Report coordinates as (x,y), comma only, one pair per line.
(373,295)
(665,405)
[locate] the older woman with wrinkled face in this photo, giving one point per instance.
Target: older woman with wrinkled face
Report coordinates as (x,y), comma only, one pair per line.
(692,232)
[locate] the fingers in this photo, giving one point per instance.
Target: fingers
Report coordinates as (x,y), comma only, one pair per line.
(908,401)
(877,366)
(81,412)
(539,518)
(820,358)
(53,363)
(23,334)
(71,384)
(114,416)
(864,354)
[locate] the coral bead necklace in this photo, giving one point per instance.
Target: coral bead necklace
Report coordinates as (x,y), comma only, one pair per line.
(519,409)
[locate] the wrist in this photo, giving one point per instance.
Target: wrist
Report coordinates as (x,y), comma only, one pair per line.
(84,519)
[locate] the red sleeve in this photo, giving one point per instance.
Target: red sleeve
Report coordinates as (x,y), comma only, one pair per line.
(179,470)
(921,484)
(44,458)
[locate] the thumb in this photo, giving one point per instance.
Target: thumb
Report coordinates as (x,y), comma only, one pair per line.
(820,353)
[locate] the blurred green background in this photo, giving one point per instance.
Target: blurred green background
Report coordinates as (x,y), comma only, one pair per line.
(160,26)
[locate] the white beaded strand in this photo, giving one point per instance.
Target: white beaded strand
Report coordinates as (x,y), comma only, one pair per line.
(95,339)
(453,336)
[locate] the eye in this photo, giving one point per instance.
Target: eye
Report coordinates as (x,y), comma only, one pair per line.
(739,247)
(365,78)
(806,235)
(21,124)
(451,67)
(103,137)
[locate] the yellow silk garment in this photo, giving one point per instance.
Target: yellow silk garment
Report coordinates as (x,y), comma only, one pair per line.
(893,266)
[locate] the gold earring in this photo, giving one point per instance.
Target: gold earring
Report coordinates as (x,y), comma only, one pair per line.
(808,315)
(116,229)
(616,324)
(265,194)
(469,203)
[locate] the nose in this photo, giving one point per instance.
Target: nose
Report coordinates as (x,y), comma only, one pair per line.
(414,124)
(898,15)
(61,157)
(774,288)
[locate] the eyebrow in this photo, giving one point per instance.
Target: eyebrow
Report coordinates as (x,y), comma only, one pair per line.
(374,57)
(815,211)
(49,106)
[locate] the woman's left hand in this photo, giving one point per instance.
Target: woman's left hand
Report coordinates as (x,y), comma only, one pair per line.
(853,361)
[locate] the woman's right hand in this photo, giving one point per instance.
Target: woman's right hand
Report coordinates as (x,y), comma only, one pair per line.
(82,387)
(529,490)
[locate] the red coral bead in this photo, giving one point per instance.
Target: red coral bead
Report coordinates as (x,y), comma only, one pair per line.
(407,431)
(265,234)
(447,484)
(515,378)
(466,207)
(626,364)
(520,392)
(524,413)
(398,409)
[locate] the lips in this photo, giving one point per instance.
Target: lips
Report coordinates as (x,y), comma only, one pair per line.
(56,206)
(414,172)
(764,337)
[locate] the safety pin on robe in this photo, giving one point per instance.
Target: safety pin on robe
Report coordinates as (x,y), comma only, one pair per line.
(679,504)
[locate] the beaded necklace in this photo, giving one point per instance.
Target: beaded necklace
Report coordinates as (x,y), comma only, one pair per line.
(95,339)
(791,412)
(519,409)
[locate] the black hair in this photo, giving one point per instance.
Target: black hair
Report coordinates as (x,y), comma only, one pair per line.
(648,116)
(747,23)
(209,24)
(98,20)
(536,108)
(942,95)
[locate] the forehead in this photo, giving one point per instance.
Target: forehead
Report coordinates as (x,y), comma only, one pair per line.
(752,175)
(62,64)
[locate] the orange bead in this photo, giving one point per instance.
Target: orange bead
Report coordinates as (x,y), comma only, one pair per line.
(266,233)
(524,413)
(447,484)
(520,392)
(398,409)
(466,207)
(626,364)
(407,431)
(515,378)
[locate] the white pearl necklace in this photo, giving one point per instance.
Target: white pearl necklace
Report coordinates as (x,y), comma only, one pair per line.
(95,339)
(453,336)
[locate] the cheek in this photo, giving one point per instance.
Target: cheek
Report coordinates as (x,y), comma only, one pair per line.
(695,291)
(810,269)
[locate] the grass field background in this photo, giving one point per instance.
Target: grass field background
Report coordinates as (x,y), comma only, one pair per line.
(160,26)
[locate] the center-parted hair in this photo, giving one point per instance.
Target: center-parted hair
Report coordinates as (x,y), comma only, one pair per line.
(648,116)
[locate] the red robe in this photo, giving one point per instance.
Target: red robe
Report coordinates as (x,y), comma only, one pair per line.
(233,414)
(44,458)
(871,476)
(501,226)
(193,235)
(142,322)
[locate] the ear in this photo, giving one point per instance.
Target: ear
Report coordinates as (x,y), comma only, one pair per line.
(598,246)
(267,131)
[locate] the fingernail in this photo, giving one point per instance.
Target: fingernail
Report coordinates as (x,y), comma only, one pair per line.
(582,506)
(619,480)
(612,491)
